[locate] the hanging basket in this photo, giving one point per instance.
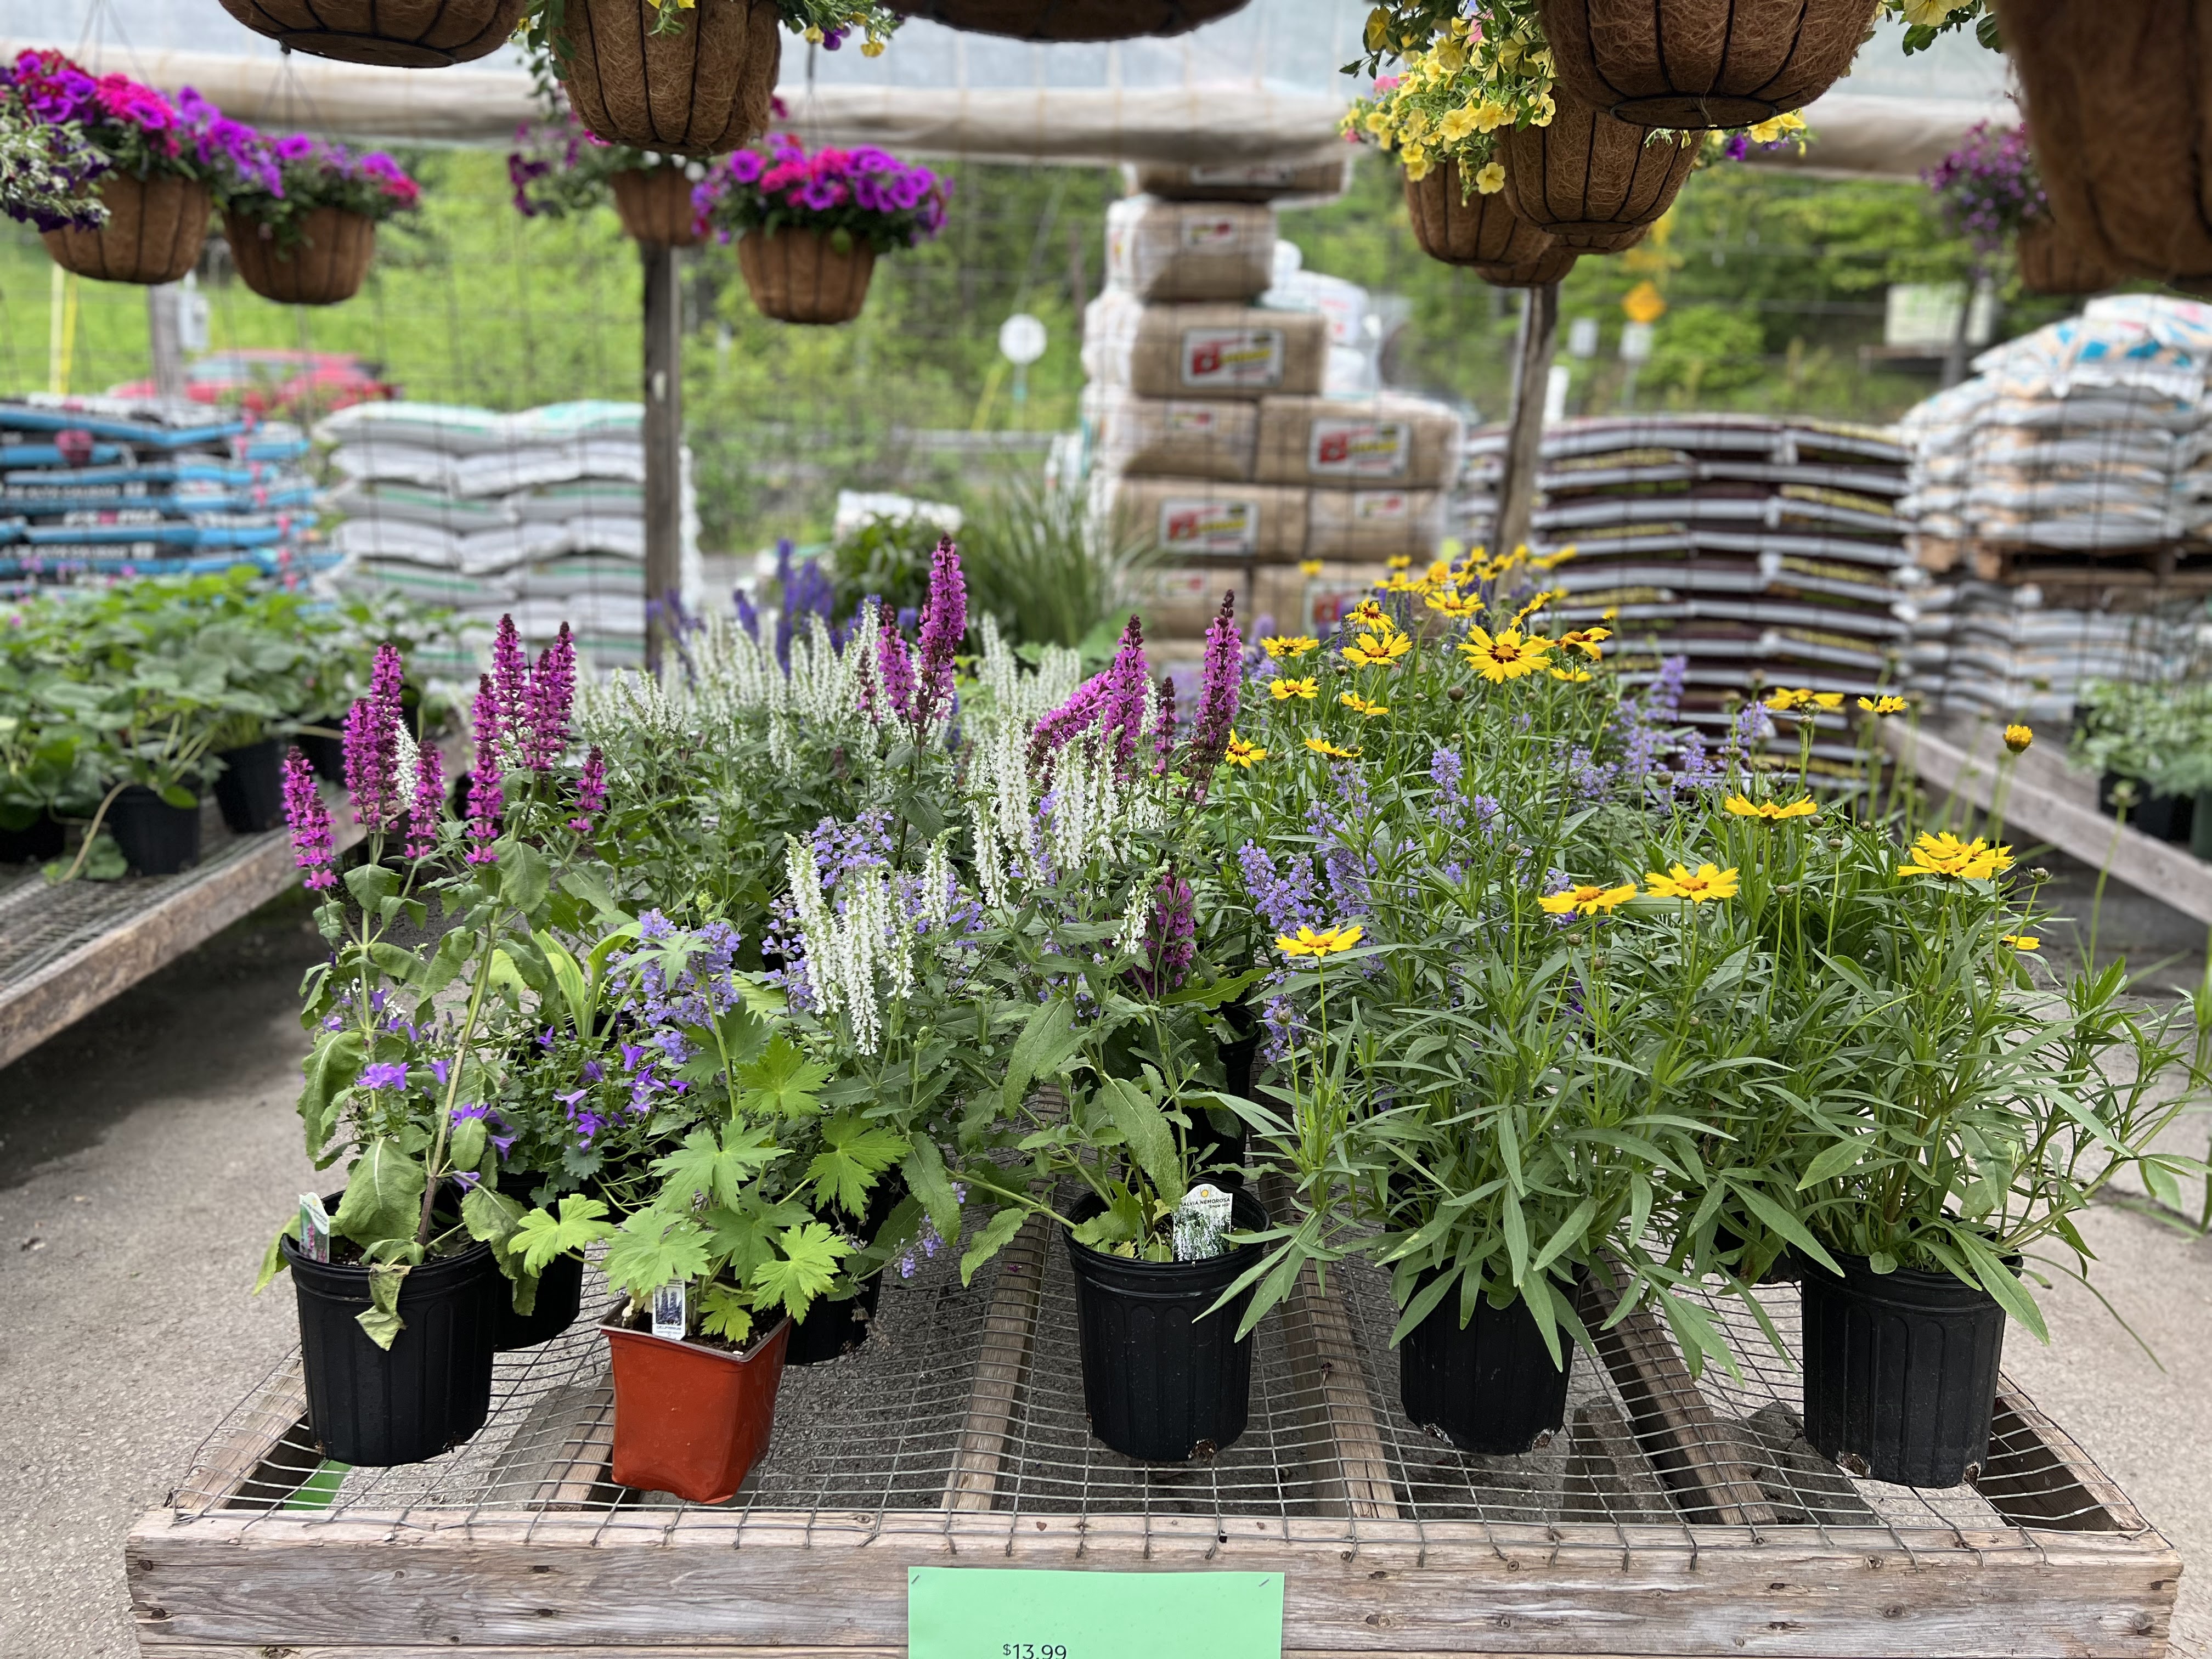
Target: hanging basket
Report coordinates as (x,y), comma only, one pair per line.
(325,266)
(1588,177)
(655,207)
(701,90)
(1550,266)
(1469,230)
(410,34)
(1610,242)
(799,277)
(1074,20)
(1697,64)
(154,230)
(2053,263)
(2117,104)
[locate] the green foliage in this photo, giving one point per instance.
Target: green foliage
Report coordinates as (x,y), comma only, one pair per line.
(2157,734)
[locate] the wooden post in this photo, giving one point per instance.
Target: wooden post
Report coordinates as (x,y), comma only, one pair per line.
(165,339)
(664,440)
(1524,432)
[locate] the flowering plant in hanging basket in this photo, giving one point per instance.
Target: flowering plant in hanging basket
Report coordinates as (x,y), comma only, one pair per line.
(425,34)
(1588,179)
(1674,63)
(809,228)
(688,77)
(1074,20)
(304,235)
(1990,192)
(1456,223)
(140,165)
(559,168)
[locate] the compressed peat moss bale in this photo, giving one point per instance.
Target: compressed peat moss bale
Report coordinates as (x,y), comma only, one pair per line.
(394,33)
(2053,263)
(1695,64)
(325,266)
(1463,229)
(801,276)
(702,89)
(1550,266)
(1588,177)
(654,205)
(155,231)
(1074,20)
(2118,114)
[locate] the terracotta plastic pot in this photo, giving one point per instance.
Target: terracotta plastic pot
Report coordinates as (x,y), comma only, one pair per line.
(1074,20)
(704,88)
(2116,106)
(1586,178)
(1550,266)
(1694,63)
(324,267)
(654,205)
(408,34)
(689,1419)
(800,277)
(1469,229)
(155,231)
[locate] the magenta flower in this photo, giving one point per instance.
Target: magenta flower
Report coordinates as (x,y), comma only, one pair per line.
(1121,711)
(944,625)
(1163,738)
(1170,937)
(371,744)
(591,792)
(487,781)
(547,699)
(429,806)
(510,690)
(312,847)
(1217,697)
(895,667)
(1055,730)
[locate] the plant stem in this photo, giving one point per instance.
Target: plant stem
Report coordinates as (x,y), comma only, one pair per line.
(430,1171)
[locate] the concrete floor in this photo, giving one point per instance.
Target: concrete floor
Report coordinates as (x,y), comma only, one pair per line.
(147,1155)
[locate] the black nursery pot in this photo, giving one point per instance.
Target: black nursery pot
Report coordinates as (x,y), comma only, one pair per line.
(325,754)
(1162,1385)
(41,839)
(559,1290)
(1487,1386)
(156,839)
(1900,1371)
(250,788)
(2162,817)
(425,1394)
(831,1329)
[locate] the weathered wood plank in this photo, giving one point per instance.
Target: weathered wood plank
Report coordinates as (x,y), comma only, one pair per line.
(284,1581)
(2032,808)
(1002,1368)
(2038,1477)
(578,1478)
(1329,1393)
(1697,1457)
(260,1457)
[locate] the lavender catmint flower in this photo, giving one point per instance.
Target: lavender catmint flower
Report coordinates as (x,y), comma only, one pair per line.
(487,780)
(313,848)
(1285,900)
(748,619)
(944,625)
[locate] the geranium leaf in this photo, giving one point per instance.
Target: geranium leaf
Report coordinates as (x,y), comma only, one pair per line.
(807,1269)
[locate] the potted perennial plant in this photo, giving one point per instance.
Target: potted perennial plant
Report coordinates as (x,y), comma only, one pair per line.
(301,223)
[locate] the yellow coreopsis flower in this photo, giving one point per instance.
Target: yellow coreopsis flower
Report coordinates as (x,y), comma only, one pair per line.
(1552,561)
(1293,646)
(1379,649)
(2023,942)
(1587,641)
(1323,747)
(1771,812)
(1945,855)
(1505,655)
(1489,179)
(1884,705)
(1328,942)
(1571,675)
(2017,737)
(1359,705)
(1828,700)
(1588,898)
(1243,754)
(1284,689)
(1368,614)
(1451,603)
(1699,886)
(1784,701)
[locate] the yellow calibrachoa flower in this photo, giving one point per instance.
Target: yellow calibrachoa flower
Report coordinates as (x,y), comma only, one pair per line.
(1506,655)
(2021,942)
(1323,747)
(1771,811)
(1380,649)
(1587,641)
(1243,754)
(1489,179)
(1293,646)
(1884,705)
(1945,855)
(2017,737)
(1359,705)
(1328,942)
(1697,886)
(1283,690)
(1589,899)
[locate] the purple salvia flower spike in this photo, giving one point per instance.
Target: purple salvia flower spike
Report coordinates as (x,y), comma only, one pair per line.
(591,792)
(487,781)
(510,690)
(312,847)
(428,806)
(944,626)
(895,668)
(548,699)
(1121,716)
(1217,697)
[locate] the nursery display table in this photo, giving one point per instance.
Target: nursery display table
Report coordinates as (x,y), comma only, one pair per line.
(1672,1516)
(66,950)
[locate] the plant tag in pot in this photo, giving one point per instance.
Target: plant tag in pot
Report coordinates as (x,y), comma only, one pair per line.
(314,1228)
(1199,1221)
(668,1310)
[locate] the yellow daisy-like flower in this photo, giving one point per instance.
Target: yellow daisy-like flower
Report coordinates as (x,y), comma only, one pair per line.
(1453,604)
(2017,737)
(1700,886)
(1323,747)
(1399,561)
(1587,641)
(1771,811)
(1945,855)
(1439,573)
(1552,561)
(1293,646)
(1571,675)
(2023,942)
(1282,689)
(1359,705)
(1489,179)
(1828,700)
(1328,942)
(1783,701)
(1505,656)
(1588,899)
(1243,754)
(1380,649)
(1369,614)
(1309,566)
(1884,705)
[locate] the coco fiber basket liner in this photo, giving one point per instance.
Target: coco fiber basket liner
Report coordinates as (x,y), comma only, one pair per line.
(1172,437)
(1695,64)
(799,276)
(417,35)
(1202,351)
(701,90)
(1550,266)
(325,266)
(154,230)
(2052,262)
(1588,177)
(1167,250)
(1463,228)
(1395,440)
(1074,20)
(654,205)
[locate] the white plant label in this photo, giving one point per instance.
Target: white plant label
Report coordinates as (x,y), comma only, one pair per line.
(668,1312)
(1358,449)
(1209,526)
(1232,356)
(1200,231)
(314,1228)
(1192,420)
(1199,1221)
(1381,505)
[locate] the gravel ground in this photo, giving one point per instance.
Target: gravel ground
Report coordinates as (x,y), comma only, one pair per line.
(147,1154)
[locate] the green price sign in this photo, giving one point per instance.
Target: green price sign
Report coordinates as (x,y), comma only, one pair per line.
(999,1613)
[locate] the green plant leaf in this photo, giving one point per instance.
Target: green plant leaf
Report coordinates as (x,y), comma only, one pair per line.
(653,1248)
(717,1168)
(853,1152)
(331,1067)
(383,1197)
(381,1319)
(725,1312)
(807,1269)
(525,877)
(1832,1162)
(783,1080)
(272,1259)
(1047,1042)
(465,1148)
(926,1179)
(541,1236)
(991,1240)
(1150,1136)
